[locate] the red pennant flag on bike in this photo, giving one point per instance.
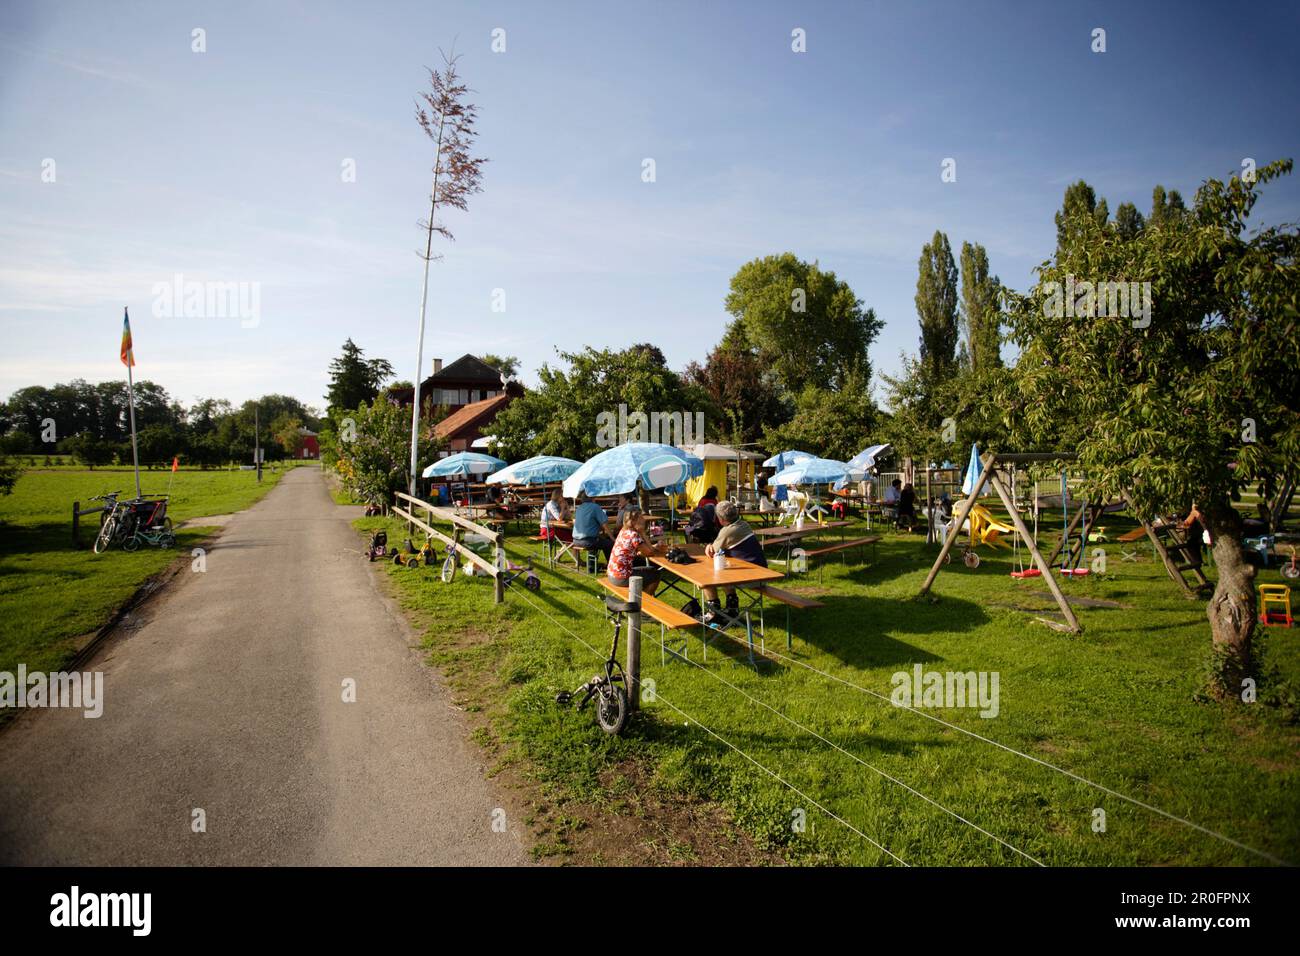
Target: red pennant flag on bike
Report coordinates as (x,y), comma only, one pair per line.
(176,463)
(128,356)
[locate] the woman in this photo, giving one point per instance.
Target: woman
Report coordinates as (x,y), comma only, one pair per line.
(556,510)
(630,545)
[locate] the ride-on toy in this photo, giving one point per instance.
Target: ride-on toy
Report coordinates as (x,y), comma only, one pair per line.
(607,688)
(513,571)
(411,559)
(378,546)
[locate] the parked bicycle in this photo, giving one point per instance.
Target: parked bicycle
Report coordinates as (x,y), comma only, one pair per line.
(133,523)
(108,528)
(158,536)
(607,687)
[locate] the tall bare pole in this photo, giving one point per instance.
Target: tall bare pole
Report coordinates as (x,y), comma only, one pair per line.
(448,121)
(424,302)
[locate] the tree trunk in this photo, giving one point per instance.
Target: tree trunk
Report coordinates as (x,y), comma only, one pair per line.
(1232,607)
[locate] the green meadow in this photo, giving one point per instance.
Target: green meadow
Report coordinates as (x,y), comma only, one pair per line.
(52,594)
(1103,750)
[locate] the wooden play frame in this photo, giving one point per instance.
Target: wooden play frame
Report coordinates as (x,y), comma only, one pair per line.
(989,476)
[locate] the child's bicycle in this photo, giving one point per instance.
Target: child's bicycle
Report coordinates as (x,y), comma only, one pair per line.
(449,563)
(607,688)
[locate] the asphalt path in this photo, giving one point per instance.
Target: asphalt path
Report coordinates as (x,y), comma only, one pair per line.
(226,695)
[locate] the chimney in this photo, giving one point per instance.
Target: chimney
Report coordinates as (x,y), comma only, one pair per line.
(437,366)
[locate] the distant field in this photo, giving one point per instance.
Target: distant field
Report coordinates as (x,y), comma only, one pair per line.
(50,593)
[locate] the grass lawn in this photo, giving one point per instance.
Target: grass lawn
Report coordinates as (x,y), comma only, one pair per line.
(1118,705)
(50,593)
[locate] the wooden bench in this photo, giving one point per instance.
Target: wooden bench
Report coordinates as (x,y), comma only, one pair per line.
(789,599)
(667,616)
(842,546)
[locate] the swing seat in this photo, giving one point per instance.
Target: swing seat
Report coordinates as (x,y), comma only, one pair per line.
(1075,572)
(1027,573)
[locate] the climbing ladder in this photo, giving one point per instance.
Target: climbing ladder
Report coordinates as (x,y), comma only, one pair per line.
(1169,541)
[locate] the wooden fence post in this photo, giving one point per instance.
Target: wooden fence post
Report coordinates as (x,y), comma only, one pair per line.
(499,581)
(634,645)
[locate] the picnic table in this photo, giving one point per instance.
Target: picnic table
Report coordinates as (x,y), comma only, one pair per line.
(781,536)
(749,580)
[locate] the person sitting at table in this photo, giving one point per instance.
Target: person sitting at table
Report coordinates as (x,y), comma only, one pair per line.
(893,492)
(710,496)
(907,507)
(498,502)
(631,548)
(557,509)
(702,527)
(735,540)
(589,526)
(625,501)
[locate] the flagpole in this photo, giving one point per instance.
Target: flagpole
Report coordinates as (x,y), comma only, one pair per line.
(130,397)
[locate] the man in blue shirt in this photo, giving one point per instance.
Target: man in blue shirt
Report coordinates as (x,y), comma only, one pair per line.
(589,521)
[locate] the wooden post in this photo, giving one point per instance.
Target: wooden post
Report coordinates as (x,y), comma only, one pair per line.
(1043,568)
(634,645)
(499,582)
(1158,547)
(1068,533)
(929,507)
(988,461)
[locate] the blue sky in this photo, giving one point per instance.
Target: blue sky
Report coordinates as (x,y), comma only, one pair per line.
(226,165)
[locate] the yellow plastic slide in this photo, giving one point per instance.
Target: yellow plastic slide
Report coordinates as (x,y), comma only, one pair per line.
(985,529)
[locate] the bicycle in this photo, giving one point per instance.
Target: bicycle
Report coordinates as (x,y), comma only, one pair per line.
(158,536)
(449,564)
(108,527)
(607,687)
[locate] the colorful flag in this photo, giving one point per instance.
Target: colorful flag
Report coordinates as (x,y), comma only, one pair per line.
(176,463)
(128,356)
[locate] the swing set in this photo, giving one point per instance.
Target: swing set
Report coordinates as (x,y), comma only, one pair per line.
(989,475)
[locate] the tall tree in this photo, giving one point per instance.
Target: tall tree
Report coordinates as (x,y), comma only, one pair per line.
(936,305)
(744,390)
(1190,402)
(563,415)
(447,118)
(838,424)
(354,378)
(1165,206)
(804,323)
(981,314)
(1128,221)
(1079,207)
